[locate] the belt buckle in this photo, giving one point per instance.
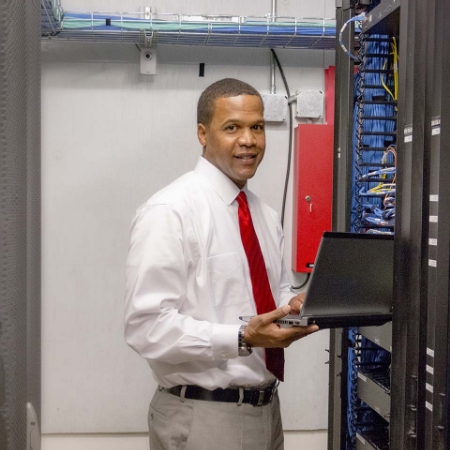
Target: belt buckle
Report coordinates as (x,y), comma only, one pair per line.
(274,389)
(257,397)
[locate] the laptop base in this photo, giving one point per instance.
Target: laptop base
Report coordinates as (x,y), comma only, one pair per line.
(336,321)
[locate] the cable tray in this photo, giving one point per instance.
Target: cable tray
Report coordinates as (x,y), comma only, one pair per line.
(182,29)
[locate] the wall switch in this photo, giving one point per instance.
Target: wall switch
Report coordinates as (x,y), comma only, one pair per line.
(275,107)
(309,104)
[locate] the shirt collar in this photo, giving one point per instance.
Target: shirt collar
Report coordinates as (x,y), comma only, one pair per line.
(224,187)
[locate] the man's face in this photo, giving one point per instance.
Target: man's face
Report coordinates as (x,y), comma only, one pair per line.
(235,139)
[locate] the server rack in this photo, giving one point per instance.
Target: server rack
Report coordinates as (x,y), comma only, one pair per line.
(419,404)
(370,388)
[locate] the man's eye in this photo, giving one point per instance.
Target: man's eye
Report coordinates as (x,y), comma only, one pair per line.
(258,127)
(231,127)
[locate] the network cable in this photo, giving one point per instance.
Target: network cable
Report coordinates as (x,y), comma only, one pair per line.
(373,195)
(358,18)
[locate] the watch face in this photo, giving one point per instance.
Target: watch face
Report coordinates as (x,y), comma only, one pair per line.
(244,351)
(243,348)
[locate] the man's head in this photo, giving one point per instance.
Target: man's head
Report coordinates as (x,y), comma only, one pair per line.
(228,87)
(230,128)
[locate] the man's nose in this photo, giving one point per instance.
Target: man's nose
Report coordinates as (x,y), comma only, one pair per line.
(247,138)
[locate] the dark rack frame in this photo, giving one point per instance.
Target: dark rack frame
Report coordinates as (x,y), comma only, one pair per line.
(420,370)
(437,118)
(342,193)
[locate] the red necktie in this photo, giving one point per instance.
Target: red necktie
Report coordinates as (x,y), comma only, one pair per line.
(260,281)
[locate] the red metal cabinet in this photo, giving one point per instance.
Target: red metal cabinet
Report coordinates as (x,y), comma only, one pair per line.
(313,191)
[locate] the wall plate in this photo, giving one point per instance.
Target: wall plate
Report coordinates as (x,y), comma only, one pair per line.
(148,60)
(310,104)
(275,107)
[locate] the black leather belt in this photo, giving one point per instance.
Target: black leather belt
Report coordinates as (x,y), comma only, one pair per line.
(254,396)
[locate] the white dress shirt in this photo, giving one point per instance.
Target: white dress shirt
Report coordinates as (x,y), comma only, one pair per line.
(188,281)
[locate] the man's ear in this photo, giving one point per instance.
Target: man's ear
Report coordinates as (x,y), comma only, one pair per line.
(202,134)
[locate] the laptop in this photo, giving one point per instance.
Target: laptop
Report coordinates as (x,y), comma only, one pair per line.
(351,283)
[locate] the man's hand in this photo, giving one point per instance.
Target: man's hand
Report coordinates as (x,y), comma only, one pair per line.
(262,332)
(297,303)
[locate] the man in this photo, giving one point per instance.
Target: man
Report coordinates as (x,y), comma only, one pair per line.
(204,251)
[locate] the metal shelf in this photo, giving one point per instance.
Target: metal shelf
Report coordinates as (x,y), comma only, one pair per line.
(371,441)
(383,19)
(363,444)
(381,335)
(372,392)
(147,28)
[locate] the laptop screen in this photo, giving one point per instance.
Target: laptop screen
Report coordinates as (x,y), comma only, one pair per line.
(353,274)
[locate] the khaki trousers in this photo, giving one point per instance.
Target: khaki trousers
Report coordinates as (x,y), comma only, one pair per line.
(204,425)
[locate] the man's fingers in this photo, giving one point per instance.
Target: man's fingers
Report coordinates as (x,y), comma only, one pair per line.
(271,316)
(310,329)
(289,335)
(297,303)
(301,332)
(276,314)
(262,332)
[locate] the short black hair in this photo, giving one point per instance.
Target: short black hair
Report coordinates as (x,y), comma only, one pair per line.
(228,87)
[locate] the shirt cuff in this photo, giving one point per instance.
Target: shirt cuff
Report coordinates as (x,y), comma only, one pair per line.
(224,340)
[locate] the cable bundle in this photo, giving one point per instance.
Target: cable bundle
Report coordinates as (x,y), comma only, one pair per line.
(352,394)
(370,359)
(374,134)
(373,206)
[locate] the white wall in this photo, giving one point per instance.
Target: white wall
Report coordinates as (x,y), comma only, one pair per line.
(111,138)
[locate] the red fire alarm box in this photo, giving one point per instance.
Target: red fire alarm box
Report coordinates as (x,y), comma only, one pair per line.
(313,191)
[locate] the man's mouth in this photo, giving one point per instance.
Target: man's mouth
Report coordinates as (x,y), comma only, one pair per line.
(245,157)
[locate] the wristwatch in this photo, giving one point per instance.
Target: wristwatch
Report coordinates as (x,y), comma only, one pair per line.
(244,348)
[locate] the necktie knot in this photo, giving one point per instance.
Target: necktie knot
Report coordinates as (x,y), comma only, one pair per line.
(244,212)
(242,199)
